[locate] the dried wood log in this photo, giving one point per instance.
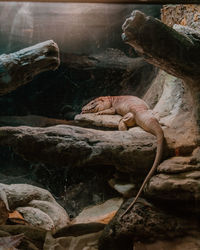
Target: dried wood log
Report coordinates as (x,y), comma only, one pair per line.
(19,68)
(173,51)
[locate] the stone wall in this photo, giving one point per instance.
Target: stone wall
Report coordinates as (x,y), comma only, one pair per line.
(184,14)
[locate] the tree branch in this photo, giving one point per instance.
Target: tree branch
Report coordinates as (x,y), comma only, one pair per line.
(173,51)
(18,68)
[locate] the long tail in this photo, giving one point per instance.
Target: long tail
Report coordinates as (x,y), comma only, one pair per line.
(158,132)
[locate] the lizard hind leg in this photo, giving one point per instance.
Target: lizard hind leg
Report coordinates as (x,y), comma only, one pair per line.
(127,121)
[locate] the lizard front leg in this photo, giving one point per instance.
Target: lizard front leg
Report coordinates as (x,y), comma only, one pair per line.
(127,121)
(110,111)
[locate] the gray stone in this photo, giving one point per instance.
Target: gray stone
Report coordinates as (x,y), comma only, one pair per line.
(178,164)
(60,145)
(37,205)
(36,217)
(178,187)
(57,214)
(178,179)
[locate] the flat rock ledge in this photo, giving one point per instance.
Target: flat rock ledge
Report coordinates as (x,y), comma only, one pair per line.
(103,121)
(128,151)
(178,180)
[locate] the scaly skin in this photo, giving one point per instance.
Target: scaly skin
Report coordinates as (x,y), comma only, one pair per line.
(134,111)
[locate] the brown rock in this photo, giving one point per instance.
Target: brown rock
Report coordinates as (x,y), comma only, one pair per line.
(145,223)
(177,180)
(126,150)
(103,121)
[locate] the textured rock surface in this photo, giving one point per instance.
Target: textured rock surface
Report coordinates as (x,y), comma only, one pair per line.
(36,217)
(184,14)
(37,205)
(144,223)
(105,121)
(178,180)
(62,143)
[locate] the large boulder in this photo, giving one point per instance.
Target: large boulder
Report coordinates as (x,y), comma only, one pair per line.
(145,223)
(60,145)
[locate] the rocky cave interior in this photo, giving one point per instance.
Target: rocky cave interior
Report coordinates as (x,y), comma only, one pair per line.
(83,160)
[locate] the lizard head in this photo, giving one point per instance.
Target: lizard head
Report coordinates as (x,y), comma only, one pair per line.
(96,105)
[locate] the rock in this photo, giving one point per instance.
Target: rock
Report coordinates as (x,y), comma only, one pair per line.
(154,92)
(22,194)
(128,151)
(36,217)
(178,164)
(181,14)
(176,187)
(100,213)
(57,214)
(105,121)
(37,205)
(144,223)
(177,179)
(126,189)
(169,98)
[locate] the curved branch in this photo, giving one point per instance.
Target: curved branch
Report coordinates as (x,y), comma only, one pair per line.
(18,68)
(175,52)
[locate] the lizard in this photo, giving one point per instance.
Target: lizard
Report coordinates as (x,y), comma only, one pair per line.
(134,112)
